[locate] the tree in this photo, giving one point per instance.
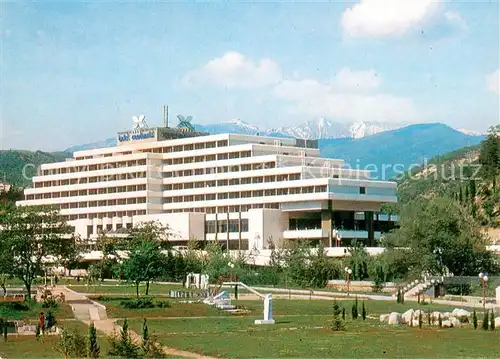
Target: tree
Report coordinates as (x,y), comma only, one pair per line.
(485,320)
(70,252)
(474,318)
(65,344)
(123,346)
(29,235)
(363,311)
(489,156)
(144,264)
(492,320)
(93,349)
(338,322)
(437,236)
(354,309)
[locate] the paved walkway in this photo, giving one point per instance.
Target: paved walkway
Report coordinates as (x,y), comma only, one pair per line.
(88,311)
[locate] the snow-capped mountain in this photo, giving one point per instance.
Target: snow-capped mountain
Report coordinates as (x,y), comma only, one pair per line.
(313,129)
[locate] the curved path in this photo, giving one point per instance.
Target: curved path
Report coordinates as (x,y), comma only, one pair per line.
(89,311)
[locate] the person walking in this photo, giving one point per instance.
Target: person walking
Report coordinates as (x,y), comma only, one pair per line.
(42,321)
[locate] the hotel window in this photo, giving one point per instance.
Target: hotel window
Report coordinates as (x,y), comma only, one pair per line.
(234,168)
(234,225)
(199,159)
(245,154)
(270,179)
(210,210)
(210,227)
(199,197)
(188,198)
(188,185)
(234,182)
(270,192)
(188,147)
(234,155)
(210,183)
(222,143)
(210,197)
(246,167)
(294,176)
(177,148)
(222,209)
(295,190)
(308,189)
(210,158)
(177,186)
(245,208)
(234,195)
(222,183)
(257,180)
(244,225)
(222,196)
(320,189)
(199,146)
(246,180)
(246,194)
(223,169)
(258,193)
(234,209)
(188,160)
(200,184)
(362,190)
(282,191)
(222,156)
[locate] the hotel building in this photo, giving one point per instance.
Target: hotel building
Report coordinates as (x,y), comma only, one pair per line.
(247,192)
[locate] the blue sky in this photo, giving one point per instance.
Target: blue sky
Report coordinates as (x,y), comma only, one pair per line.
(76,72)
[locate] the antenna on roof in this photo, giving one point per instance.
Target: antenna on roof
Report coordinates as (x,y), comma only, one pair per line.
(165,116)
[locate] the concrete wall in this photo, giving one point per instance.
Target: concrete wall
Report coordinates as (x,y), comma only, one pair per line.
(263,225)
(182,225)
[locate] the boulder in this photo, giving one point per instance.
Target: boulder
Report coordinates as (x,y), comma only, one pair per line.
(414,322)
(446,315)
(435,316)
(455,322)
(384,318)
(394,318)
(407,316)
(417,313)
(461,314)
(447,324)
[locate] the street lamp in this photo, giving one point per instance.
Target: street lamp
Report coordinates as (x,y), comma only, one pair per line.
(484,279)
(231,266)
(348,272)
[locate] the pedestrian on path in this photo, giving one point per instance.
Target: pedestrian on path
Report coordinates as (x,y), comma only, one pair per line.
(42,321)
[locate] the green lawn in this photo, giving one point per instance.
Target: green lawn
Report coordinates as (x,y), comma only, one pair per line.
(176,309)
(124,288)
(24,346)
(33,311)
(309,337)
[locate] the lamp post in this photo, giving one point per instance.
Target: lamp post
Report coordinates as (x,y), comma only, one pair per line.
(484,279)
(231,266)
(348,272)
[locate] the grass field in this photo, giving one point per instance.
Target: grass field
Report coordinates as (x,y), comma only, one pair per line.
(124,288)
(24,346)
(33,312)
(309,337)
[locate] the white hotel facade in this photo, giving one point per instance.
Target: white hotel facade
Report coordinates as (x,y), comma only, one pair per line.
(247,192)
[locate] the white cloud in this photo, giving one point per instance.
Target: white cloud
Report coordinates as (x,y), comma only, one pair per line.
(347,79)
(379,18)
(493,81)
(311,98)
(234,70)
(454,18)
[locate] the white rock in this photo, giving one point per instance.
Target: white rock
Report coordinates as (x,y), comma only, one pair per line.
(497,322)
(455,322)
(447,324)
(384,318)
(446,315)
(435,315)
(457,312)
(417,313)
(414,322)
(461,314)
(394,318)
(407,316)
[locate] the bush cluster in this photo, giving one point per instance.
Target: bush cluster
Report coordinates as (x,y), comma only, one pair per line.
(144,303)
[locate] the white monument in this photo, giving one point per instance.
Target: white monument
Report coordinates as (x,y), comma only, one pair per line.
(197,280)
(268,311)
(498,295)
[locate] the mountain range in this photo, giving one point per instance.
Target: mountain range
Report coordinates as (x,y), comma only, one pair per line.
(387,149)
(320,128)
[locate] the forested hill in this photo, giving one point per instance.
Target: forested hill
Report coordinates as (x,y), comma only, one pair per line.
(18,166)
(470,175)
